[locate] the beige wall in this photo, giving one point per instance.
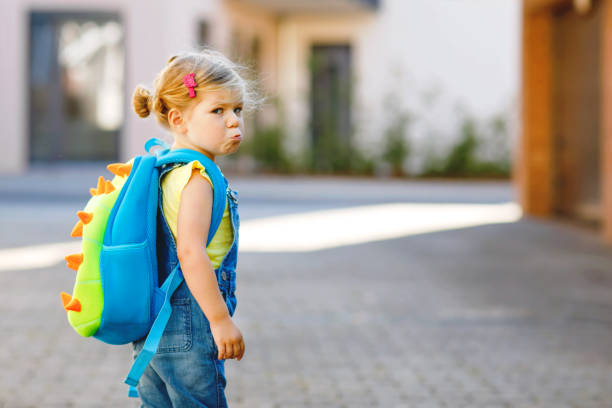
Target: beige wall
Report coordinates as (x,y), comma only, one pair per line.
(296,36)
(250,22)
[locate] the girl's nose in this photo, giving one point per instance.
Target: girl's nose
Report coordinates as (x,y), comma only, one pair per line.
(232,121)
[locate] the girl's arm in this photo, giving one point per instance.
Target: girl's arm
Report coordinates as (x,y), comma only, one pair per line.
(192,232)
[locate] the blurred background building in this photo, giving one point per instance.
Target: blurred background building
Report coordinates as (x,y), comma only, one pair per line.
(386,87)
(345,79)
(564,163)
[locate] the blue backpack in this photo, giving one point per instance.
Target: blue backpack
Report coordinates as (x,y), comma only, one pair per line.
(117,297)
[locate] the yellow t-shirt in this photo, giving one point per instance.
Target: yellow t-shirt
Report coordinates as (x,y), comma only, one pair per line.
(172,186)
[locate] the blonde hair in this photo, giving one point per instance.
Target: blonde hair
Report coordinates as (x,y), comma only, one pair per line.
(213,71)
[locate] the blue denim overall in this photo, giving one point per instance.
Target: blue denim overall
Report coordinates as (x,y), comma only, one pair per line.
(185,371)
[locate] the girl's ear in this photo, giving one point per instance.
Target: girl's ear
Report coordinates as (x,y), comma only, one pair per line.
(176,121)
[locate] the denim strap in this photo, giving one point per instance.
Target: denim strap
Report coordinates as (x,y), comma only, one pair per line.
(150,346)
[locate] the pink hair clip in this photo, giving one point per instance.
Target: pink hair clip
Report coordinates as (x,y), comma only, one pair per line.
(190,83)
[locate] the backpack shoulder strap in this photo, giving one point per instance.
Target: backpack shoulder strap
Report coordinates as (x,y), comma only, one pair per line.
(157,329)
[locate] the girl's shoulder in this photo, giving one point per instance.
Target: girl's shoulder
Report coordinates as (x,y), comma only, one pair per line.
(177,178)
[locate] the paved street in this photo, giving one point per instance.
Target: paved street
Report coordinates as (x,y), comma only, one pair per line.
(513,314)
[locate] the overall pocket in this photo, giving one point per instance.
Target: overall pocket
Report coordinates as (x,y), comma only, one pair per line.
(177,336)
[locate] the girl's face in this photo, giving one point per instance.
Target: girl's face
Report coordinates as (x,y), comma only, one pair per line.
(213,125)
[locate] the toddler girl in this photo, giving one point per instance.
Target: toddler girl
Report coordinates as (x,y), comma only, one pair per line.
(199,97)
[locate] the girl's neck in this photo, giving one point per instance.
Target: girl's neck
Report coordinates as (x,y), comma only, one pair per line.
(185,145)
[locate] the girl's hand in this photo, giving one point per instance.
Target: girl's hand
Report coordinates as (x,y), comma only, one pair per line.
(228,339)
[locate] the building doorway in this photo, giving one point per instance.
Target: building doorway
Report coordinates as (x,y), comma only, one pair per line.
(577,113)
(76,92)
(330,107)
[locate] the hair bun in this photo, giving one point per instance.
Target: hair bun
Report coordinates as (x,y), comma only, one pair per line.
(142,101)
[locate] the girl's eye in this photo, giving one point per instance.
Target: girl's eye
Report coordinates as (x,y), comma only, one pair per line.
(238,110)
(218,109)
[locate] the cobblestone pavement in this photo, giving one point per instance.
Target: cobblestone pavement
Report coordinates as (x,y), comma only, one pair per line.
(512,315)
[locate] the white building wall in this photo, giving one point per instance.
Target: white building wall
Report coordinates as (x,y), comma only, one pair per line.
(441,56)
(437,55)
(13,82)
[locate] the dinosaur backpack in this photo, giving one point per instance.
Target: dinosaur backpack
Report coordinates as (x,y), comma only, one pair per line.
(117,297)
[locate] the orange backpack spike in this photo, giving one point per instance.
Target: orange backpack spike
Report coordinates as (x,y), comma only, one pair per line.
(74,305)
(85,216)
(66,298)
(77,231)
(109,188)
(74,261)
(101,186)
(120,169)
